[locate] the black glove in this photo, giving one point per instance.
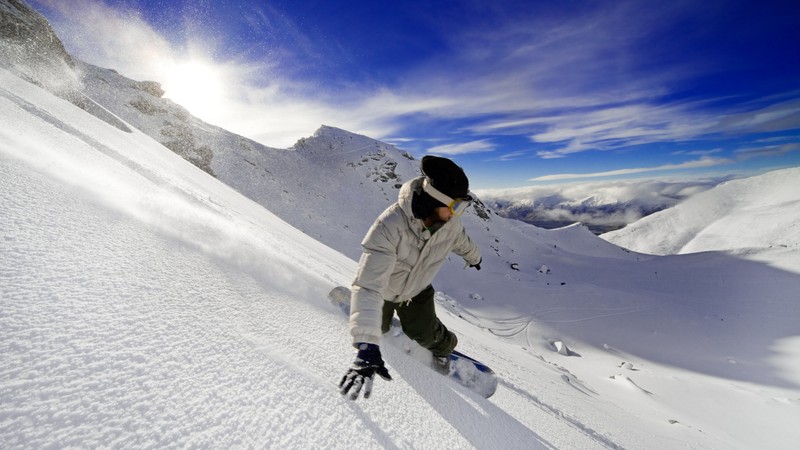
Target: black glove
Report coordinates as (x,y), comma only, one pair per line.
(478,265)
(368,362)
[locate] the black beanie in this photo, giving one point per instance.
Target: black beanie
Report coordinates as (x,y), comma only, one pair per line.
(445,176)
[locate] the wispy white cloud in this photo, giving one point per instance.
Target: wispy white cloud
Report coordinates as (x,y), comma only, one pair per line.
(571,81)
(541,64)
(772,150)
(703,162)
(613,127)
(482,145)
(784,115)
(698,152)
(511,156)
(586,82)
(742,154)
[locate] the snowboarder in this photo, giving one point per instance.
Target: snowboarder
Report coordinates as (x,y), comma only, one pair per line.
(402,252)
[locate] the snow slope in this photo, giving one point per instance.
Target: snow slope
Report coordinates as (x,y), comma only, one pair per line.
(755,216)
(148,305)
(145,303)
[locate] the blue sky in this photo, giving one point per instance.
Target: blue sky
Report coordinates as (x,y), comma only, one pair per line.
(518,92)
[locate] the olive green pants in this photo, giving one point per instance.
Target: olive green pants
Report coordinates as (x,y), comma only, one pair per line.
(419,322)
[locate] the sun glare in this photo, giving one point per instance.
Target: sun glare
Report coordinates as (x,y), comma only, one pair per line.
(196,86)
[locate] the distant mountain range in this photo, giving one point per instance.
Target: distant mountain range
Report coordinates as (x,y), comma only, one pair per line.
(600,206)
(598,219)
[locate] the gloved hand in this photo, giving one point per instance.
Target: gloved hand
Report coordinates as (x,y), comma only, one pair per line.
(477,265)
(368,362)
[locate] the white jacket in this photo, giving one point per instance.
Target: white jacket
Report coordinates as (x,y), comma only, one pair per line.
(400,259)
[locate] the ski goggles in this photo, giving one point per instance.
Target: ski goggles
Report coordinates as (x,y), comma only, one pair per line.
(457,206)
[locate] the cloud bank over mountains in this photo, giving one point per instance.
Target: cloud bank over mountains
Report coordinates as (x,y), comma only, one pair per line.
(601,206)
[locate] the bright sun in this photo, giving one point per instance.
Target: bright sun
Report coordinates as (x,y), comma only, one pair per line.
(196,86)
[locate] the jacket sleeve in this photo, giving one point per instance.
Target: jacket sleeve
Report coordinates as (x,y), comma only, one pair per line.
(374,271)
(466,248)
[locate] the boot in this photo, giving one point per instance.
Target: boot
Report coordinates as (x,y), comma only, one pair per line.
(442,364)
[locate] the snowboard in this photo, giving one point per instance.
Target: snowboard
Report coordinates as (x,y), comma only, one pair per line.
(464,370)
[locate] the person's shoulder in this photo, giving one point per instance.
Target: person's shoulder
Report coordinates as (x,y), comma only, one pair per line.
(393,217)
(455,225)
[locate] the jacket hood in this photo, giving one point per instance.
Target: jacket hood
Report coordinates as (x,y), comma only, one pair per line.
(406,195)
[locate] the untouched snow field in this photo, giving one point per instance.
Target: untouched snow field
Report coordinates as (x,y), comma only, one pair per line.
(146,304)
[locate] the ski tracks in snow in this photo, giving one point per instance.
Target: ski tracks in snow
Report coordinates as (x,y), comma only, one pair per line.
(560,415)
(511,328)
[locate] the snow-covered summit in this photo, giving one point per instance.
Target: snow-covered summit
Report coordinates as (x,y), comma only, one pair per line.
(375,160)
(299,184)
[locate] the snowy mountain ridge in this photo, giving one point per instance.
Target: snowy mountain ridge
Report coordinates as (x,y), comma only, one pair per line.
(760,214)
(333,169)
(148,304)
(298,184)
